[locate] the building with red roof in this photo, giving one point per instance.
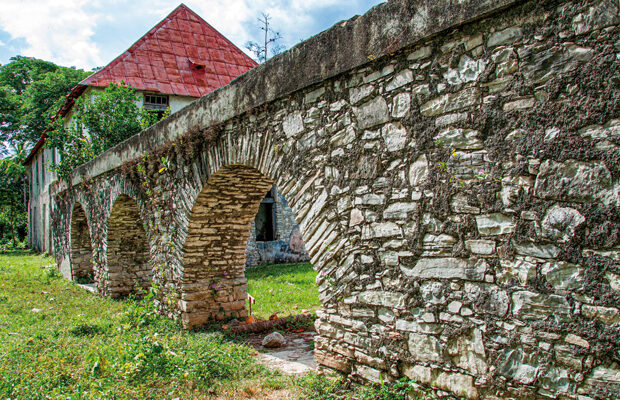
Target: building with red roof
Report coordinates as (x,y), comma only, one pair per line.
(180,59)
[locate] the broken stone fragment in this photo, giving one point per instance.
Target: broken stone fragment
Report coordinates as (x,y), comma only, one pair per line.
(273,340)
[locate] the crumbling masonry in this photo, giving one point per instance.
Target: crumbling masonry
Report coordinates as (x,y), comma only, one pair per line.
(454,167)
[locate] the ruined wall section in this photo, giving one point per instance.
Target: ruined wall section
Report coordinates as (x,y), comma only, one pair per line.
(287,246)
(459,199)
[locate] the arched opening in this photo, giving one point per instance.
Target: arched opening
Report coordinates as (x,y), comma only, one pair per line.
(275,236)
(214,284)
(127,253)
(82,270)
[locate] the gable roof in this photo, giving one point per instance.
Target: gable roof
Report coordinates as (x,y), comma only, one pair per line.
(182,55)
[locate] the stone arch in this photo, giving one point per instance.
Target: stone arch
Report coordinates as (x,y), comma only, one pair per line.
(214,284)
(127,251)
(82,268)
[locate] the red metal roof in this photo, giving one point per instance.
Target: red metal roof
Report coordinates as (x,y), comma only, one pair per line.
(182,55)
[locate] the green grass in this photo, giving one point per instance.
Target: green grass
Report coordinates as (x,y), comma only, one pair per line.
(285,289)
(58,341)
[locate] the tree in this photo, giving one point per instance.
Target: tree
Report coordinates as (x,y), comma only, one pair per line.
(261,51)
(13,211)
(31,91)
(96,125)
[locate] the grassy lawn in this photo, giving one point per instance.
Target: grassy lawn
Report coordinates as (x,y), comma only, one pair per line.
(58,341)
(283,289)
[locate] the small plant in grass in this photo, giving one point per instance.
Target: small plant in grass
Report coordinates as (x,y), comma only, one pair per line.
(86,329)
(318,387)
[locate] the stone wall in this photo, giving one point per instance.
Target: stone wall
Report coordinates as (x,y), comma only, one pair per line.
(81,248)
(458,195)
(287,246)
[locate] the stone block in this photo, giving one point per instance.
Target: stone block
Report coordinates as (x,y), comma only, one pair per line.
(447,268)
(482,247)
(560,223)
(494,224)
(381,298)
(450,102)
(534,306)
(506,36)
(372,113)
(425,347)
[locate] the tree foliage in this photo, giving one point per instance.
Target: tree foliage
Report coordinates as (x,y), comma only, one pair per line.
(97,124)
(13,213)
(31,91)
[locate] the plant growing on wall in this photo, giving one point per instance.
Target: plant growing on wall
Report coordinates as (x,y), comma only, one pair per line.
(98,123)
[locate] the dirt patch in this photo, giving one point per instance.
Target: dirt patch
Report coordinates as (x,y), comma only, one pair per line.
(296,356)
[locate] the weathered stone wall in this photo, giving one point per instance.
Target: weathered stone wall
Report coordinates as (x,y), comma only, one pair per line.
(459,197)
(81,248)
(287,246)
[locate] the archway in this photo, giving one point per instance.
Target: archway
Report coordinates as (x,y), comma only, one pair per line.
(127,251)
(82,270)
(214,284)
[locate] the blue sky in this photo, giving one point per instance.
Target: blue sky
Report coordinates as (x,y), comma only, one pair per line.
(91,33)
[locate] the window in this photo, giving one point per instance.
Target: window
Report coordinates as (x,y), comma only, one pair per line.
(264,222)
(156,103)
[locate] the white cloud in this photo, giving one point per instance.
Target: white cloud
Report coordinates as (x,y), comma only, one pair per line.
(59,31)
(63,31)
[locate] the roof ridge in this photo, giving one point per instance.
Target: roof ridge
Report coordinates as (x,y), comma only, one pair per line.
(135,44)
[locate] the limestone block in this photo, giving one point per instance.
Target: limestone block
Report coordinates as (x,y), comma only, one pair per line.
(424,347)
(395,137)
(380,230)
(483,247)
(557,380)
(447,268)
(467,352)
(401,104)
(607,315)
(437,245)
(399,210)
(520,104)
(560,222)
(604,13)
(487,298)
(332,360)
(293,124)
(459,138)
(536,250)
(382,298)
(494,224)
(506,36)
(605,379)
(343,137)
(419,54)
(418,373)
(372,113)
(562,275)
(468,70)
(577,341)
(450,119)
(574,181)
(418,172)
(535,306)
(520,365)
(450,102)
(357,94)
(433,292)
(460,204)
(399,80)
(368,373)
(459,384)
